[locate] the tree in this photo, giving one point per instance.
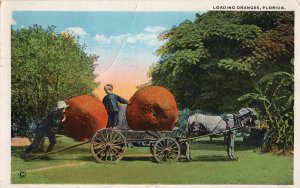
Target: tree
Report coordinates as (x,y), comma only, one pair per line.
(275,97)
(209,63)
(46,67)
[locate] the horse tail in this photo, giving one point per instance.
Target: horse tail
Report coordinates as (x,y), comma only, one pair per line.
(188,126)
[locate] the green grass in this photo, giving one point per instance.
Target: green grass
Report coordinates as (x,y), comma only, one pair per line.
(209,166)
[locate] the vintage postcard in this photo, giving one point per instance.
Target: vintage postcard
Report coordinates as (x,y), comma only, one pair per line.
(149,93)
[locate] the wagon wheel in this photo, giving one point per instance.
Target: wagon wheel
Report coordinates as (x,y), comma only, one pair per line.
(166,150)
(108,146)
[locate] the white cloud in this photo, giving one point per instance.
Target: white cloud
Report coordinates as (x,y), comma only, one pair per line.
(149,39)
(101,39)
(120,38)
(76,31)
(154,29)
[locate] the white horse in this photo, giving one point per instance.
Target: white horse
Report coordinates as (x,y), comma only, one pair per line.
(226,124)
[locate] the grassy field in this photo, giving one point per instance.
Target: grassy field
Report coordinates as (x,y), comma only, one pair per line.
(209,166)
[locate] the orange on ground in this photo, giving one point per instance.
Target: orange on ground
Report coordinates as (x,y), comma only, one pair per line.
(85,115)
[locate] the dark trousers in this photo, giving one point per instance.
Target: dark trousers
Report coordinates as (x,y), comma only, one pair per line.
(40,134)
(112,119)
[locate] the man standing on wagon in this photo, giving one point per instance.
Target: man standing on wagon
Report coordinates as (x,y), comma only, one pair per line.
(110,102)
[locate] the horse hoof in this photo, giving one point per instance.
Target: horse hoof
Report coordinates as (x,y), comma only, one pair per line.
(233,158)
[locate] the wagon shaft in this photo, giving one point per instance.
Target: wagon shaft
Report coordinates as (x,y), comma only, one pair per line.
(57,151)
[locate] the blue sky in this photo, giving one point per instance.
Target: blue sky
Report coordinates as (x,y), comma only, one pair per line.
(125,41)
(103,23)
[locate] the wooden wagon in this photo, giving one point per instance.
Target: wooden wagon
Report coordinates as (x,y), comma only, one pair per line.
(109,145)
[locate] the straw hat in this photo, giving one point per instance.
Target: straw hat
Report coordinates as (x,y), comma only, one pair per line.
(61,104)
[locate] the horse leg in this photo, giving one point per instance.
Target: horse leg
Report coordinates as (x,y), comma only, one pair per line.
(232,144)
(228,146)
(230,140)
(188,152)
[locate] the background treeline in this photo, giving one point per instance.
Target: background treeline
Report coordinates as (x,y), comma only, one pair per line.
(46,67)
(225,60)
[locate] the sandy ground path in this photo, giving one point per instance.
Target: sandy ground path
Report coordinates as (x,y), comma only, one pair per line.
(52,167)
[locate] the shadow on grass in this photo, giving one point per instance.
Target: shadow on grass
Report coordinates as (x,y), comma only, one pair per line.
(210,158)
(85,158)
(138,158)
(219,146)
(93,160)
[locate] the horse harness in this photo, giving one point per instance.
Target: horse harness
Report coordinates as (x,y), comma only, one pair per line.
(238,121)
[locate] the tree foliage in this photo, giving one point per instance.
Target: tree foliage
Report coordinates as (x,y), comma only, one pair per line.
(46,67)
(275,96)
(209,63)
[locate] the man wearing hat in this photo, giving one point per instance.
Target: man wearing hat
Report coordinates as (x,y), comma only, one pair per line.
(110,102)
(47,126)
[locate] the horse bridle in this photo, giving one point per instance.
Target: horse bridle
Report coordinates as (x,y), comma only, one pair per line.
(250,116)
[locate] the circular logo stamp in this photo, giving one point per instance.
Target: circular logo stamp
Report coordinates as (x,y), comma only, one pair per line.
(22,174)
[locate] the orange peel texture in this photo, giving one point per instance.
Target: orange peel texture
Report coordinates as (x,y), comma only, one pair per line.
(85,115)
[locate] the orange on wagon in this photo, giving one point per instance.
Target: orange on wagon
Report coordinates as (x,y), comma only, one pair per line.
(152,108)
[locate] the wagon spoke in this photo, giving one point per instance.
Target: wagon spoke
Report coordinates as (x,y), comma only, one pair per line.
(111,136)
(106,155)
(118,139)
(160,147)
(173,155)
(117,143)
(103,138)
(113,139)
(160,155)
(103,157)
(175,148)
(167,142)
(173,144)
(175,152)
(107,138)
(160,144)
(98,139)
(98,145)
(110,154)
(117,152)
(100,151)
(118,148)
